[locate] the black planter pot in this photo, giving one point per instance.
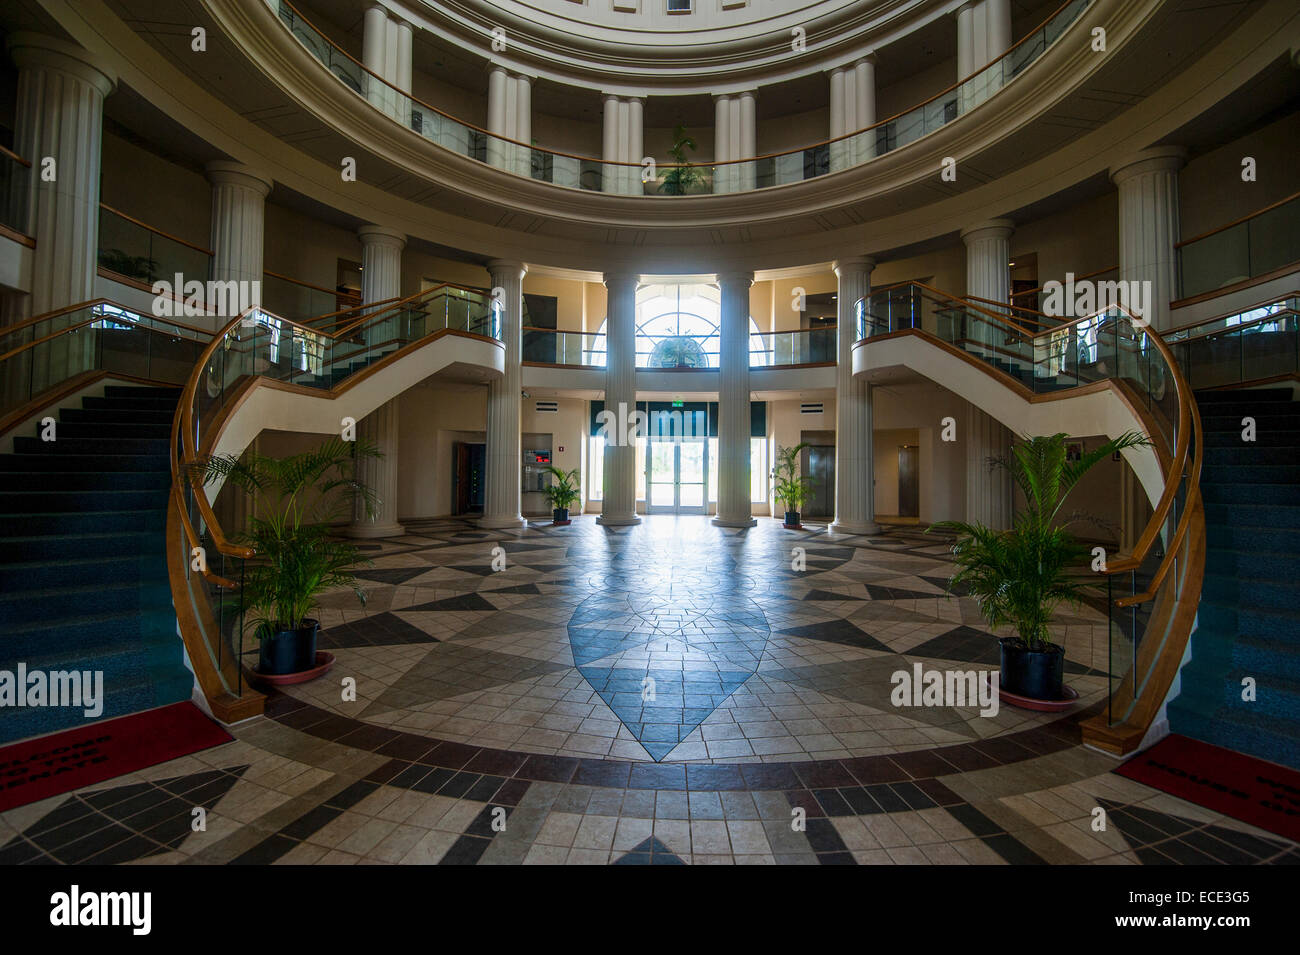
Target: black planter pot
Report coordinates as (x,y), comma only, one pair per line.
(792,518)
(305,655)
(279,652)
(1039,675)
(560,515)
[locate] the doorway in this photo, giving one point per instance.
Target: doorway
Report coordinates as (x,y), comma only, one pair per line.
(469,462)
(677,475)
(909,481)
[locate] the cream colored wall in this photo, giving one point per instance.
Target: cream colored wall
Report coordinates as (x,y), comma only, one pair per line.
(152,189)
(885,444)
(430,420)
(305,248)
(1210,189)
(1081,239)
(918,409)
(569,296)
(944,269)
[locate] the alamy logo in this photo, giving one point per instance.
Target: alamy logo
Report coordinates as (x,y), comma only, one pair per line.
(75,688)
(194,299)
(922,687)
(74,908)
(623,428)
(1071,299)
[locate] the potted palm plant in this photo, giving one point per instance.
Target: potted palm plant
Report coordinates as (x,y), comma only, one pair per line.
(1019,576)
(294,501)
(790,487)
(682,177)
(561,492)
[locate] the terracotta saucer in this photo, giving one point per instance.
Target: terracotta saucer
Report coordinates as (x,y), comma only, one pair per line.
(1045,706)
(324,660)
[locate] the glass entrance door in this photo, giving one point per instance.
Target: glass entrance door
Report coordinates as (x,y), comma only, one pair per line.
(676,476)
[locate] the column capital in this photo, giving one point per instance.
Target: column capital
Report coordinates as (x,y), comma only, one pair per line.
(736,278)
(381,235)
(513,268)
(853,263)
(989,229)
(1155,159)
(620,278)
(223,173)
(36,50)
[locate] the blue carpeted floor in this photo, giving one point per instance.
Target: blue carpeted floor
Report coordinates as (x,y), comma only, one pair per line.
(83,574)
(1249,624)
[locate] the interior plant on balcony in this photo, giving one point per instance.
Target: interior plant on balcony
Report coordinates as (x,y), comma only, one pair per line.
(562,492)
(683,177)
(132,266)
(789,486)
(293,501)
(1019,576)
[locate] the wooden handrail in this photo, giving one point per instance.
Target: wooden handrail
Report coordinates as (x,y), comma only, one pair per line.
(15,157)
(1271,300)
(1228,329)
(317,288)
(721,162)
(154,229)
(127,319)
(954,302)
(1235,222)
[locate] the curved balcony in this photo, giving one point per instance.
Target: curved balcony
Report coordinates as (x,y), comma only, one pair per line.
(678,179)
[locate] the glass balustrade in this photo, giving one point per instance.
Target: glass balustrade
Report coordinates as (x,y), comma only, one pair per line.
(666,178)
(15,182)
(144,255)
(1245,250)
(1256,343)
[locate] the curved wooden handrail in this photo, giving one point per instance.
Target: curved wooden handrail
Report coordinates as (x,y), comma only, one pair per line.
(9,153)
(1238,221)
(1271,300)
(154,229)
(721,162)
(958,303)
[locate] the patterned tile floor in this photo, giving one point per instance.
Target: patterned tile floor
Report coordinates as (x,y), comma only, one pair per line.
(665,694)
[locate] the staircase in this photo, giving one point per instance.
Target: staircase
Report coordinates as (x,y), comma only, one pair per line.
(83,571)
(1249,618)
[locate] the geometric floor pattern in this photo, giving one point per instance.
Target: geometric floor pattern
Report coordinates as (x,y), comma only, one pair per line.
(672,693)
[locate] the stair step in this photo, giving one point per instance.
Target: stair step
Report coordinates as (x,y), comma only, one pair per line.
(1286,474)
(16,482)
(138,446)
(49,547)
(172,393)
(1279,516)
(118,404)
(1254,455)
(1275,740)
(22,607)
(1243,395)
(1282,495)
(113,429)
(116,416)
(90,464)
(123,696)
(72,502)
(1209,687)
(71,526)
(1226,617)
(1267,594)
(1272,417)
(1227,651)
(41,574)
(1264,437)
(37,641)
(1248,562)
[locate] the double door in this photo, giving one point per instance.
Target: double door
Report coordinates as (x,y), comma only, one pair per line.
(677,472)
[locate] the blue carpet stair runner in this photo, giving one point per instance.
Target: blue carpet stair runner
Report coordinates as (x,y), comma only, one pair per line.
(83,573)
(1249,623)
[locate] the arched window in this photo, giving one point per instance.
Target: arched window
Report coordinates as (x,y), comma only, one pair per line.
(677,327)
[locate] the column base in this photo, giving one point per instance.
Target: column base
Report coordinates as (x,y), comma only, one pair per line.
(501,523)
(617,520)
(734,522)
(367,529)
(870,528)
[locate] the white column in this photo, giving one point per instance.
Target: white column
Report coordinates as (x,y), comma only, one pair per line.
(988,489)
(59,116)
(238,213)
(983,35)
(381,278)
(386,53)
(622,142)
(852,108)
(733,402)
(510,118)
(1148,226)
(746,107)
(618,507)
(722,146)
(988,275)
(504,460)
(855,491)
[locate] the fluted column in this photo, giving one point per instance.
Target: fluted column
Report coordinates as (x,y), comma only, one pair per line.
(1148,226)
(988,275)
(619,497)
(988,489)
(59,116)
(238,216)
(386,53)
(504,460)
(510,117)
(735,137)
(983,35)
(855,488)
(852,108)
(622,142)
(381,278)
(733,402)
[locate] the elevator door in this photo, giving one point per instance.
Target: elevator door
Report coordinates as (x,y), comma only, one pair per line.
(819,464)
(909,481)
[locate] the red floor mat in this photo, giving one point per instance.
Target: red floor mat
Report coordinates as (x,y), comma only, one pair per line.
(38,768)
(1263,794)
